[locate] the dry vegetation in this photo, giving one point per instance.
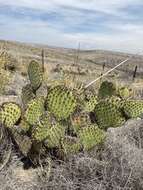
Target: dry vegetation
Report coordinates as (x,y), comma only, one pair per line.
(105,168)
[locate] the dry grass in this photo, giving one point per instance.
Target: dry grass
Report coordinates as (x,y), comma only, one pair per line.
(5,77)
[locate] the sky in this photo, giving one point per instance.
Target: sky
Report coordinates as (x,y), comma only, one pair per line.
(95,24)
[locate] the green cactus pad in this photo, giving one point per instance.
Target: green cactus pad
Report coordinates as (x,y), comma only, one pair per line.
(91,136)
(40,132)
(23,142)
(115,100)
(107,89)
(108,115)
(10,114)
(71,145)
(133,108)
(56,133)
(61,102)
(124,92)
(35,74)
(27,94)
(35,110)
(89,105)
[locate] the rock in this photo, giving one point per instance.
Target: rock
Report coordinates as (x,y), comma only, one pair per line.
(11,98)
(124,156)
(16,84)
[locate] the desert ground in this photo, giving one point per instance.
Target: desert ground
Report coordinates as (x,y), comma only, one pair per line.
(115,166)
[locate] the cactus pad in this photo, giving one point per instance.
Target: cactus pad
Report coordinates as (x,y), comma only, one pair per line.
(71,145)
(40,132)
(115,100)
(107,89)
(56,133)
(133,108)
(61,102)
(91,136)
(23,142)
(124,92)
(35,74)
(10,114)
(35,110)
(89,105)
(27,94)
(108,115)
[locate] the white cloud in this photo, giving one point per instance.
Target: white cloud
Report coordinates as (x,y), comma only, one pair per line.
(121,36)
(103,5)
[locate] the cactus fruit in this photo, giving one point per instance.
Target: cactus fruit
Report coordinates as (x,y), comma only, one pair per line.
(108,115)
(71,145)
(91,136)
(79,120)
(27,94)
(56,133)
(35,110)
(35,74)
(133,108)
(10,114)
(107,89)
(61,102)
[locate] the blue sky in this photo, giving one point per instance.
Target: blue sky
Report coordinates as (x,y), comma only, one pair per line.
(96,24)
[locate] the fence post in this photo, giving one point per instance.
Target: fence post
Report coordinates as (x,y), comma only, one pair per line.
(103,66)
(135,72)
(43,61)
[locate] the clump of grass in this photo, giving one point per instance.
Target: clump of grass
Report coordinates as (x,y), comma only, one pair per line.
(4,80)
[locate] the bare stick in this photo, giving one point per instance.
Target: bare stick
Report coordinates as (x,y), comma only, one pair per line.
(43,60)
(107,72)
(135,72)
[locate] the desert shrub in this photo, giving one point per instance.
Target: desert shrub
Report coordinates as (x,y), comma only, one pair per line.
(8,62)
(4,80)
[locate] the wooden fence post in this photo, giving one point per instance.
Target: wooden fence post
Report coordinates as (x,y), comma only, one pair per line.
(135,72)
(43,61)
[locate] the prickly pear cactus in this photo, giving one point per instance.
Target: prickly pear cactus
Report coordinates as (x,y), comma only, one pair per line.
(27,94)
(133,108)
(35,109)
(35,74)
(23,127)
(61,102)
(23,142)
(115,100)
(108,115)
(79,120)
(56,133)
(10,114)
(40,132)
(107,89)
(91,136)
(89,104)
(124,92)
(71,145)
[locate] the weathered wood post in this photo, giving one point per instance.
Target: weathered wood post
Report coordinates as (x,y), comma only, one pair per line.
(103,66)
(43,61)
(135,72)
